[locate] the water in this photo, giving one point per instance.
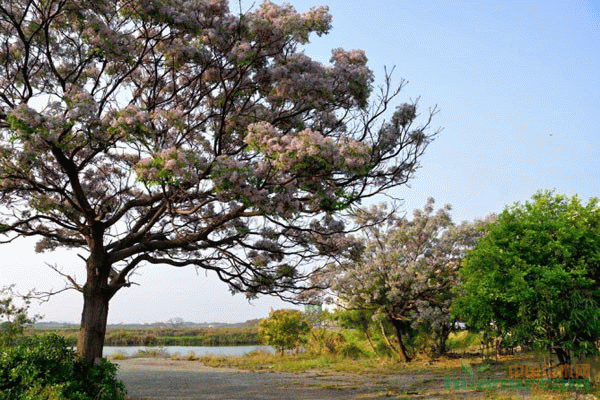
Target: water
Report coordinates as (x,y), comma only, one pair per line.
(184,350)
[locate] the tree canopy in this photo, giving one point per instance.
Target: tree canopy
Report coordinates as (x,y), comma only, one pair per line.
(407,269)
(534,278)
(284,329)
(180,133)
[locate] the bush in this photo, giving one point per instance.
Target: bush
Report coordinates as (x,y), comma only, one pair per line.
(351,350)
(45,368)
(284,329)
(323,341)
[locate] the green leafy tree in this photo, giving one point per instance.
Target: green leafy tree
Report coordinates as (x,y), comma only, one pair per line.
(180,133)
(13,317)
(534,278)
(361,320)
(284,329)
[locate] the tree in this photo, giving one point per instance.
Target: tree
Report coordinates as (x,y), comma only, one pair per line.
(284,329)
(13,318)
(534,279)
(407,270)
(178,133)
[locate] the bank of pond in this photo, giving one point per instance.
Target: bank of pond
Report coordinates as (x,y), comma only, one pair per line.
(182,351)
(203,337)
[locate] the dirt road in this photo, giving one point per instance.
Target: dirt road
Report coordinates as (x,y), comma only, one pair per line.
(154,379)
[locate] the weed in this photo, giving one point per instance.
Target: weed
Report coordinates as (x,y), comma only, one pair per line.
(152,352)
(118,355)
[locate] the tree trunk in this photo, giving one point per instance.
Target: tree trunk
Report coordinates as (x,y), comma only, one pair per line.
(93,325)
(389,344)
(96,296)
(564,361)
(564,358)
(443,333)
(370,341)
(398,330)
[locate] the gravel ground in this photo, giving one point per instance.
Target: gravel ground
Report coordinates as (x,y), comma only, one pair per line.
(165,379)
(150,379)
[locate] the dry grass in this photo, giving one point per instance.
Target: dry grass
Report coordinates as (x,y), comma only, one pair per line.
(451,366)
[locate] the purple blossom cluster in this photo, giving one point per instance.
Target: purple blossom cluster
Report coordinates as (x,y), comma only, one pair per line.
(180,133)
(307,150)
(407,268)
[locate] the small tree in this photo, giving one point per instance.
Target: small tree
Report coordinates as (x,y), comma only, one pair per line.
(177,133)
(406,271)
(284,329)
(13,318)
(535,277)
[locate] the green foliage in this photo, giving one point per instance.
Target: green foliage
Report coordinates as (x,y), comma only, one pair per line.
(534,278)
(46,367)
(354,319)
(464,341)
(13,318)
(284,329)
(368,328)
(323,341)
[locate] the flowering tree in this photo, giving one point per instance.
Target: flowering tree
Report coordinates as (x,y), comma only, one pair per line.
(407,269)
(178,133)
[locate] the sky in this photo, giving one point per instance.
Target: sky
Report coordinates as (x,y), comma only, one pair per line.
(517,85)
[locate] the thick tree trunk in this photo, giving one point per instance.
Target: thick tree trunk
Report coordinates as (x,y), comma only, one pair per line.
(389,344)
(93,325)
(96,296)
(564,359)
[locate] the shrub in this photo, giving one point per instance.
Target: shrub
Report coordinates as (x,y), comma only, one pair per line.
(351,350)
(45,368)
(154,352)
(284,329)
(323,341)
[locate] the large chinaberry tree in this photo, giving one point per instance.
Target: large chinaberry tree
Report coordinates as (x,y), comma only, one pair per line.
(179,133)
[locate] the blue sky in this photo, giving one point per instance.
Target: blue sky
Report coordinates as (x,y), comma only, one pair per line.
(518,89)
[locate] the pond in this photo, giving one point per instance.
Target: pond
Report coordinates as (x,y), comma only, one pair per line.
(185,350)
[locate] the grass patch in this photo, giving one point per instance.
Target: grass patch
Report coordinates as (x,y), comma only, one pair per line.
(258,360)
(190,356)
(464,341)
(118,355)
(159,352)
